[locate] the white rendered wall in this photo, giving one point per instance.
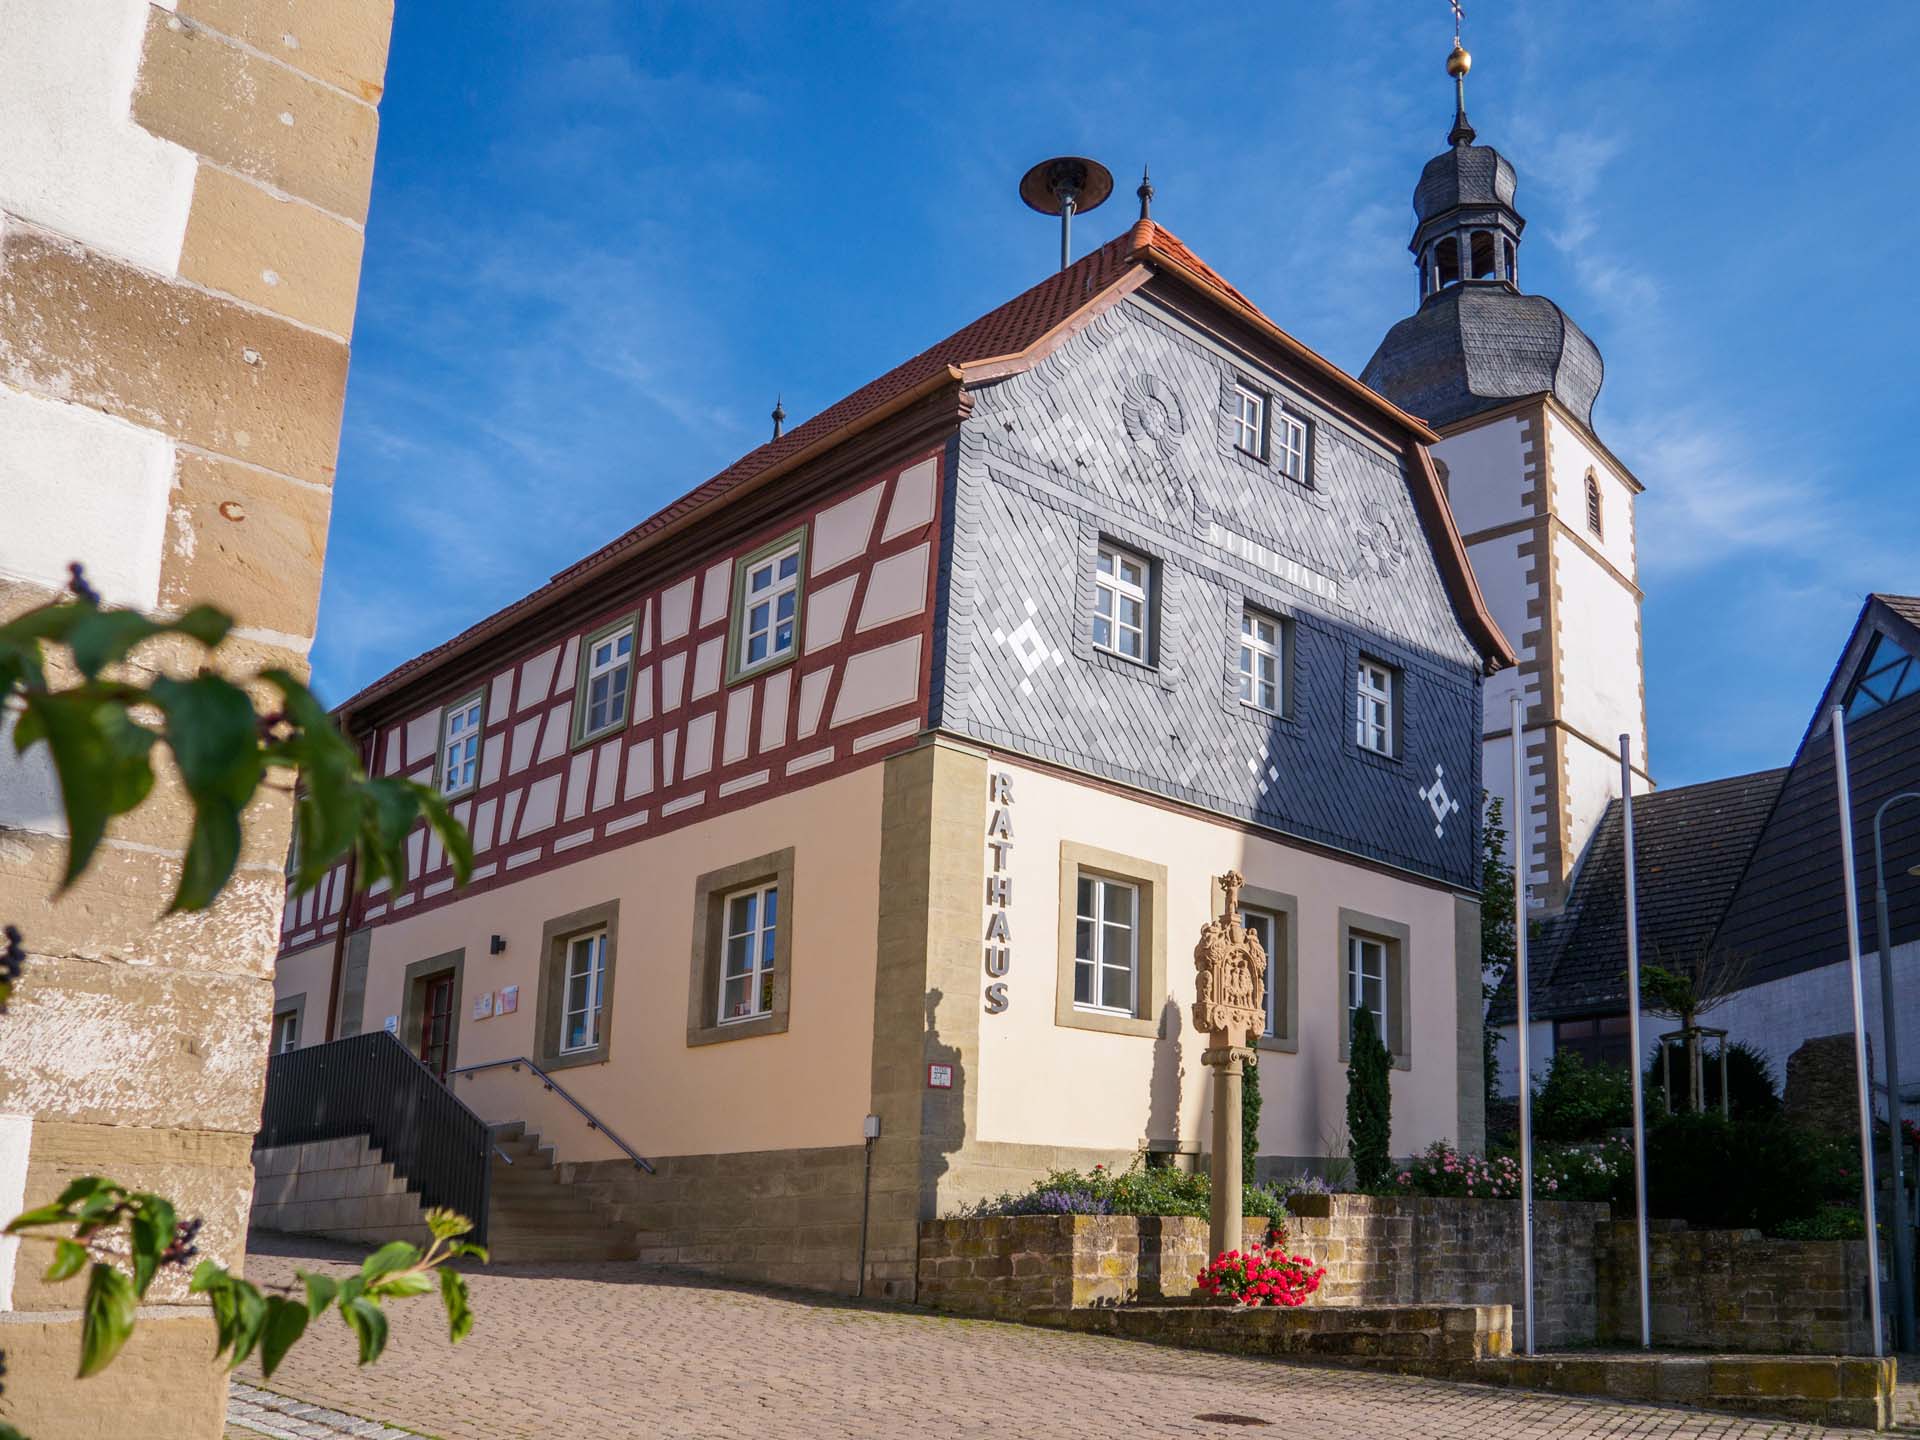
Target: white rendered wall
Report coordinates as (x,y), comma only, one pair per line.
(1572,458)
(1486,476)
(1599,629)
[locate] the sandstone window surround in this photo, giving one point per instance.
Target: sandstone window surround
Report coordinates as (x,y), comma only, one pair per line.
(768,606)
(460,727)
(1370,945)
(1275,917)
(289,1020)
(603,693)
(582,944)
(768,989)
(1111,875)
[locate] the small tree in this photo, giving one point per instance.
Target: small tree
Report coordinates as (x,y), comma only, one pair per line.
(1369,1104)
(1496,929)
(1250,1117)
(1685,984)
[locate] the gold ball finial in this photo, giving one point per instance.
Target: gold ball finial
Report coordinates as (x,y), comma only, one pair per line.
(1459,62)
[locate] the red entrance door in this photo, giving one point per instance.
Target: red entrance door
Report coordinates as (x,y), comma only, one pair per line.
(436,1021)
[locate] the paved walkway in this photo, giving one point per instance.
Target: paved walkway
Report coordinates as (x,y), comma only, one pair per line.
(620,1350)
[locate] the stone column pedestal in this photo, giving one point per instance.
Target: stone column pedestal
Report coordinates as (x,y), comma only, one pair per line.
(1224,1218)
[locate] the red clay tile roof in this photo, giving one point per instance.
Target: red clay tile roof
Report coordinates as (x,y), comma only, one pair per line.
(1012,328)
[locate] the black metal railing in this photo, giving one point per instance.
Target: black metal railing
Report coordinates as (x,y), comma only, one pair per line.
(372,1085)
(594,1122)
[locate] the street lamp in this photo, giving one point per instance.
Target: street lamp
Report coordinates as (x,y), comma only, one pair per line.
(1902,1235)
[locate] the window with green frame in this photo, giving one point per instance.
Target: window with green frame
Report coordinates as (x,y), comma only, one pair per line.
(606,681)
(767,599)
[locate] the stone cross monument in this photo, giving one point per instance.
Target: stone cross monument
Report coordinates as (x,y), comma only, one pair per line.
(1230,1009)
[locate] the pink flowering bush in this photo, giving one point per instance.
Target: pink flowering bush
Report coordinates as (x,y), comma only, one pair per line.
(1442,1170)
(1559,1173)
(1260,1277)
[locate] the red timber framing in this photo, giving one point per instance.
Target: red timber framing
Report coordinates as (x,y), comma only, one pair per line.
(697,739)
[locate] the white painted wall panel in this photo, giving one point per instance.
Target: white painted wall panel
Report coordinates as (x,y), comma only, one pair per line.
(827,614)
(896,588)
(912,504)
(1486,474)
(878,679)
(841,531)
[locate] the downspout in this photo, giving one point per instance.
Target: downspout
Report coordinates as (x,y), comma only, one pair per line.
(340,935)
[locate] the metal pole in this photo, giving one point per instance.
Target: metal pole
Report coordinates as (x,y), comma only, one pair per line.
(1903,1323)
(1633,1039)
(1521,826)
(1859,1023)
(1066,232)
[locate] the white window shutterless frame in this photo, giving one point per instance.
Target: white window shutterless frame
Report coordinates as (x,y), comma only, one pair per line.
(750,927)
(1373,708)
(460,746)
(609,678)
(767,631)
(1106,959)
(583,992)
(1260,682)
(1249,421)
(1367,983)
(1123,591)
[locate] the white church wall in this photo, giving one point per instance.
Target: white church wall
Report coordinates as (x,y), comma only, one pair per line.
(1486,475)
(1599,638)
(1570,458)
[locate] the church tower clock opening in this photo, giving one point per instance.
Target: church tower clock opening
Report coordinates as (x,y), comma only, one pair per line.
(1546,510)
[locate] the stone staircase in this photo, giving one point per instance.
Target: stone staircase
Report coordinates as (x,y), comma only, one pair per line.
(533,1215)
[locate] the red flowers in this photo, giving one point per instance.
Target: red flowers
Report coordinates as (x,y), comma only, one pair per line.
(1261,1277)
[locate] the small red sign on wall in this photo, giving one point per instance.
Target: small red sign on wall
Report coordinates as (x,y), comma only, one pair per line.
(940,1077)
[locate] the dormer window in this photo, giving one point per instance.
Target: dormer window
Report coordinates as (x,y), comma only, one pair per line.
(1373,725)
(1250,421)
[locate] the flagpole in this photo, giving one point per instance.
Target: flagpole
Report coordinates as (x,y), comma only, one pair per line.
(1521,827)
(1633,1037)
(1859,1023)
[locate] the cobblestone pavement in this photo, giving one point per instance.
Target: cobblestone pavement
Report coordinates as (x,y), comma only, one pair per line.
(620,1350)
(252,1412)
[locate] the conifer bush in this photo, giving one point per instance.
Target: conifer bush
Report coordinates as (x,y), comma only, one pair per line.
(1369,1105)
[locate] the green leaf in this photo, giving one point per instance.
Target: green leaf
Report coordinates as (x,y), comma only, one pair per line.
(214,734)
(7,1432)
(153,1227)
(467,1247)
(452,833)
(226,1309)
(213,849)
(286,1321)
(369,1322)
(320,1291)
(406,1282)
(55,1214)
(453,1293)
(69,1259)
(85,1188)
(206,1275)
(394,1255)
(101,757)
(250,1318)
(99,638)
(106,1318)
(445,1223)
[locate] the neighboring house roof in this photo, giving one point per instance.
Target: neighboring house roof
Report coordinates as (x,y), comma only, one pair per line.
(1011,337)
(1691,845)
(1747,868)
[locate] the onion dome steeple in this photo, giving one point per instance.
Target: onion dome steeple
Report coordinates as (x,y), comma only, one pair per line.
(1476,342)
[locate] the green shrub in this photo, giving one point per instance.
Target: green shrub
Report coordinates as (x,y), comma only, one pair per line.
(1584,1172)
(1720,1174)
(1829,1222)
(1140,1189)
(1752,1092)
(1578,1101)
(1369,1105)
(1249,1116)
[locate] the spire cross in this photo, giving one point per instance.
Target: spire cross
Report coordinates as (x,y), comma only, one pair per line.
(1458,15)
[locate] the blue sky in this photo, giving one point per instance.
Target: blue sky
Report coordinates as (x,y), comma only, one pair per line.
(604,236)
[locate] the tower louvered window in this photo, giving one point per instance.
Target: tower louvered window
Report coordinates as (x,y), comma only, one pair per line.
(1593,503)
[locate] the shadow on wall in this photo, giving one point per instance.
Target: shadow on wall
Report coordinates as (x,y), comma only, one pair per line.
(1164,1085)
(943,1113)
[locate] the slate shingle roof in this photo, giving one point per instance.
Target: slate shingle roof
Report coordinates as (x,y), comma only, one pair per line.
(1471,175)
(1017,326)
(1691,846)
(1477,345)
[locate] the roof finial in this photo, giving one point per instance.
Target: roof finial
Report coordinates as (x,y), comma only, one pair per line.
(1459,62)
(1145,192)
(779,415)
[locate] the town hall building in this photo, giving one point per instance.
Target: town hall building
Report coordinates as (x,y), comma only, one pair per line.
(842,831)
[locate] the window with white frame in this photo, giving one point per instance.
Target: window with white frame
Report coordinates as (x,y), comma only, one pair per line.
(1266,929)
(286,1031)
(608,681)
(460,746)
(1106,941)
(1367,982)
(1261,649)
(584,992)
(1122,595)
(752,921)
(1373,708)
(1250,421)
(770,595)
(1290,445)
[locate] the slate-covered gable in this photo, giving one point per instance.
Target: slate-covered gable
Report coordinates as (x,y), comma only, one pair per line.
(1122,433)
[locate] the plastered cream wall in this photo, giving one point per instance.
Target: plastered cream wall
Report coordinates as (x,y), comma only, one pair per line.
(807,1087)
(182,204)
(1486,476)
(1042,1083)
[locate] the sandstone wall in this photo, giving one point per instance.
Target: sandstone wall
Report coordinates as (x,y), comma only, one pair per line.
(182,211)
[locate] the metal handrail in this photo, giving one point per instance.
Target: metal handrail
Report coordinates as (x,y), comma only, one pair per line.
(594,1122)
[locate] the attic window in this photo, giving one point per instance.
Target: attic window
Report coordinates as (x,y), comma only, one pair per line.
(1888,674)
(1483,254)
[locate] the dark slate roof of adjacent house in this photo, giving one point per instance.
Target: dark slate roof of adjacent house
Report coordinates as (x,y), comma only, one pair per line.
(1748,869)
(1691,845)
(1478,344)
(1020,327)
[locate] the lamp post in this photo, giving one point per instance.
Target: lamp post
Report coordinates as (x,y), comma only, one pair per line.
(1889,1044)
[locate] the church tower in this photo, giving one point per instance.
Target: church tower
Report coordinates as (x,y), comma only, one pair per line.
(1545,509)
